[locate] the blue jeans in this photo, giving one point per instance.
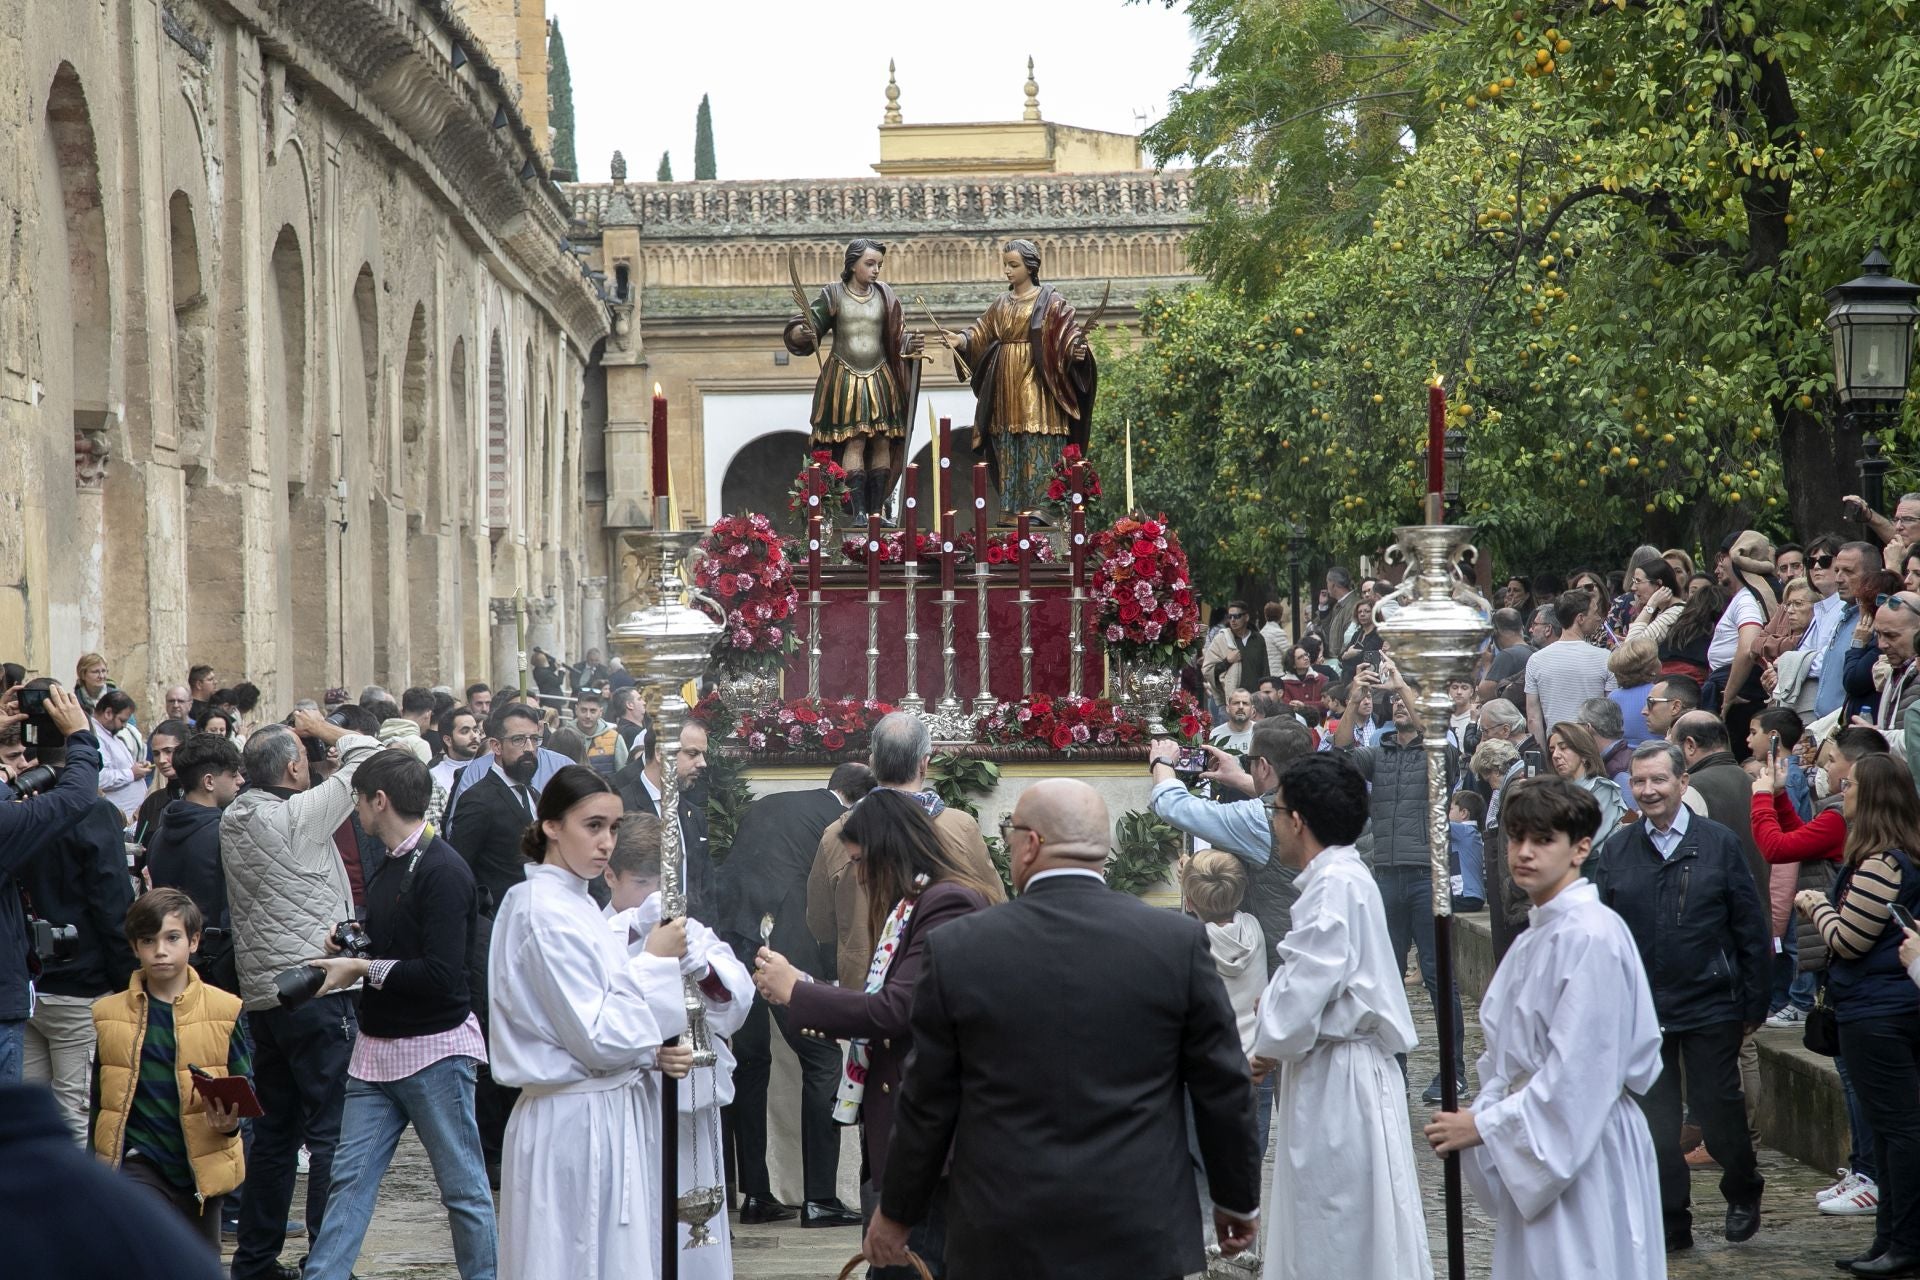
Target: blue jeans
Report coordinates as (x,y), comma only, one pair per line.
(1790,985)
(13,1050)
(1407,894)
(438,1101)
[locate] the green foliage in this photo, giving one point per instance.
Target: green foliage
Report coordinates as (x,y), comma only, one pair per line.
(665,172)
(728,797)
(1616,260)
(560,102)
(958,779)
(1002,862)
(704,169)
(1143,846)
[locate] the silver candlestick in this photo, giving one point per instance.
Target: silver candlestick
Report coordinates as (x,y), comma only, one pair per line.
(911,700)
(983,702)
(1026,641)
(873,645)
(813,643)
(1076,644)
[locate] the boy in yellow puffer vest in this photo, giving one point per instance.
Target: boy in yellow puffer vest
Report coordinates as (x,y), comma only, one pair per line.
(148,1120)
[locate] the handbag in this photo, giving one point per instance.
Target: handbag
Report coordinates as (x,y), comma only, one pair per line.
(1822,1033)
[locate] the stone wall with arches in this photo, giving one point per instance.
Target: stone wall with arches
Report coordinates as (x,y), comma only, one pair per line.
(284,309)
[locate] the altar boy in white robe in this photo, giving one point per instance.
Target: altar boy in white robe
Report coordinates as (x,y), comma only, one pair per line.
(1554,1147)
(575,1022)
(1345,1204)
(726,990)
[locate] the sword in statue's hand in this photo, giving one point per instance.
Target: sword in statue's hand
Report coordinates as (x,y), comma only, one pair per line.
(806,309)
(966,374)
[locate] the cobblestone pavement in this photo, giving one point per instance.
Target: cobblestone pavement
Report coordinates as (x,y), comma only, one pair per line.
(409,1239)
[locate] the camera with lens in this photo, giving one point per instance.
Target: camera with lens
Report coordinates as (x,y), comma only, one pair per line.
(54,943)
(32,782)
(302,982)
(316,749)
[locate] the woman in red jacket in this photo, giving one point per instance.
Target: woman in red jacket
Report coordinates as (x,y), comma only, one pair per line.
(913,887)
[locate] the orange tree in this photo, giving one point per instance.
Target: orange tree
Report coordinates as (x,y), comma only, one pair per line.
(1608,224)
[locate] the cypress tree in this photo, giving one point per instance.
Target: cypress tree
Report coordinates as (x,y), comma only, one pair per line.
(666,168)
(560,102)
(703,165)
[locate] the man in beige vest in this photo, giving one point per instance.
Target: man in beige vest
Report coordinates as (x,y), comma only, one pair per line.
(836,903)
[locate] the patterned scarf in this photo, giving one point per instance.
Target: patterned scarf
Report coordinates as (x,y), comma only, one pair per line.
(855,1058)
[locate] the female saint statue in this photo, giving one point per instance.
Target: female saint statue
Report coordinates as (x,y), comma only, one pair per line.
(1033,381)
(863,399)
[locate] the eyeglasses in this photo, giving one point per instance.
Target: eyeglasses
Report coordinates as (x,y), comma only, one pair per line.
(1820,562)
(1236,617)
(522,740)
(1899,520)
(1650,701)
(1008,826)
(1898,602)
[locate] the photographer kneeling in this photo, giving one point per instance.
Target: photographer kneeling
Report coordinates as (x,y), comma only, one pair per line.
(53,716)
(287,890)
(419,1039)
(1243,828)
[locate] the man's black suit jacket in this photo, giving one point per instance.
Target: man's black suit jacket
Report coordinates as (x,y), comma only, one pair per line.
(1056,1041)
(486,828)
(766,870)
(635,797)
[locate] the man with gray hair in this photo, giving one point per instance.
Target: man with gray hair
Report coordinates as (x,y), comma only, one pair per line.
(1609,725)
(286,889)
(1682,885)
(836,901)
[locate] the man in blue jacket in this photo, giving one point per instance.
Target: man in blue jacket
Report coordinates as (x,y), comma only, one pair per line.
(1682,884)
(27,827)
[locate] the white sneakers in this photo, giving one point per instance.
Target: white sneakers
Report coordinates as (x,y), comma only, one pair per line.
(1788,1018)
(1853,1195)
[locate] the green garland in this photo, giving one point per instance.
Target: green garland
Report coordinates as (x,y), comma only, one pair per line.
(1143,846)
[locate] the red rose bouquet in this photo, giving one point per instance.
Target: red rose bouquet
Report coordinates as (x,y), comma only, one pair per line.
(1004,548)
(1060,483)
(1060,724)
(744,570)
(810,724)
(1143,601)
(835,496)
(893,547)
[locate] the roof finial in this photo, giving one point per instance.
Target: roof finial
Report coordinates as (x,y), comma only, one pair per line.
(1033,94)
(893,97)
(619,167)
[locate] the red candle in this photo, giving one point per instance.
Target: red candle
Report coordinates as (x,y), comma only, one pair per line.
(910,510)
(946,549)
(813,551)
(1436,438)
(1024,548)
(659,443)
(873,551)
(980,511)
(816,485)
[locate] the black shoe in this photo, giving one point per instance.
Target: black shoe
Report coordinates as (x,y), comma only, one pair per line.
(754,1211)
(828,1213)
(1742,1221)
(1679,1240)
(857,500)
(1891,1263)
(1432,1096)
(1847,1264)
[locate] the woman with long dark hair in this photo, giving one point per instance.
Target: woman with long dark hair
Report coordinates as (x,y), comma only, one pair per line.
(1684,650)
(574,1021)
(913,887)
(1873,1002)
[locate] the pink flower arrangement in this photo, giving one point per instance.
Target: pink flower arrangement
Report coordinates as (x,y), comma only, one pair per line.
(1072,724)
(809,724)
(893,547)
(1060,483)
(1143,601)
(834,492)
(745,571)
(1004,548)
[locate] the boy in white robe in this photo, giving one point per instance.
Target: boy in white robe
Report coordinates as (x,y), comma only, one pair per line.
(1554,1147)
(1345,1204)
(574,1021)
(633,879)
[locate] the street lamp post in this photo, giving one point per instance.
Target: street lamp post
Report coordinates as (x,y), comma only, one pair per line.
(1871,320)
(1296,549)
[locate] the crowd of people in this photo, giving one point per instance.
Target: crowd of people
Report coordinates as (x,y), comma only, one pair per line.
(1683,792)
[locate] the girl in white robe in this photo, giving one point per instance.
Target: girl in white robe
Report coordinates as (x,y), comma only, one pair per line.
(575,1020)
(1565,1164)
(1345,1203)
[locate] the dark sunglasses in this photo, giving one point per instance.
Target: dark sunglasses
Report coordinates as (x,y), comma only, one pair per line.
(1820,562)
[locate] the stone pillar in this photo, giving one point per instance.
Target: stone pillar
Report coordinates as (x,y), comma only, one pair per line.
(506,642)
(541,633)
(593,616)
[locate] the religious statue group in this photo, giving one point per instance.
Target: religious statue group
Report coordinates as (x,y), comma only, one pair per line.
(1026,358)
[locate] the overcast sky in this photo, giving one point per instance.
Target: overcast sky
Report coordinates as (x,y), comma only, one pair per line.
(798,91)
